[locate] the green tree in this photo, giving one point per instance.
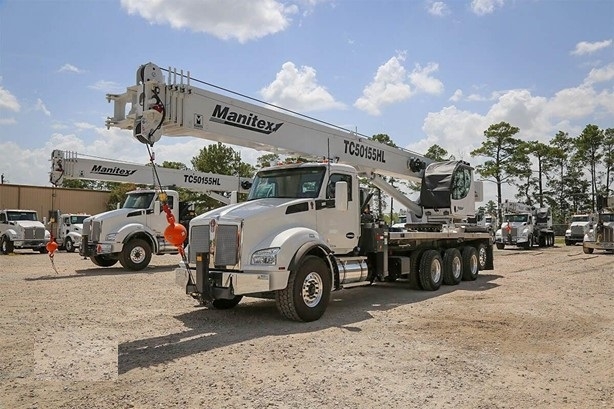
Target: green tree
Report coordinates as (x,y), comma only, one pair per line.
(500,147)
(608,160)
(437,153)
(266,160)
(118,193)
(589,153)
(221,159)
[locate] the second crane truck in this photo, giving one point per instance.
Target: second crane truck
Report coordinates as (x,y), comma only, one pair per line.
(299,235)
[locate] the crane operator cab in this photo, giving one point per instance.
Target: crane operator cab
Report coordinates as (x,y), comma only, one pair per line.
(448,191)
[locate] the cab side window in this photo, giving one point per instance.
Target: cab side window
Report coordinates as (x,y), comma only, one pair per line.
(338,177)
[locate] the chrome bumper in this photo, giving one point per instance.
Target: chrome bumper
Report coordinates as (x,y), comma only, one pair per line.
(241,283)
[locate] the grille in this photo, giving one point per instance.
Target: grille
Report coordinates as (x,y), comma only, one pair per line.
(199,242)
(226,245)
(577,230)
(96,229)
(34,233)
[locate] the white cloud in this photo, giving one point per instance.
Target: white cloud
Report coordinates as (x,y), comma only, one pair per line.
(392,84)
(457,96)
(483,7)
(70,68)
(438,8)
(106,86)
(8,121)
(584,47)
(600,75)
(40,106)
(8,100)
(225,19)
(84,125)
(298,90)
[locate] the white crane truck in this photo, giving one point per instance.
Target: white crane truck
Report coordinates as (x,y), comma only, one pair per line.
(133,233)
(525,226)
(299,235)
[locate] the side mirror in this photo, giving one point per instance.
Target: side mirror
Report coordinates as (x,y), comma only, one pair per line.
(341,196)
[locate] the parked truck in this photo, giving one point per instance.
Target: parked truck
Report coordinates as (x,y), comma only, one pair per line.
(600,234)
(578,227)
(299,235)
(21,229)
(131,234)
(525,226)
(67,229)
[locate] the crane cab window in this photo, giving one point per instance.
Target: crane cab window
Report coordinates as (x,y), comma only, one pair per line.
(338,177)
(461,183)
(287,183)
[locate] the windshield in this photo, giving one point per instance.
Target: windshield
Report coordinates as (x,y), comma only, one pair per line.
(78,219)
(139,200)
(579,219)
(607,217)
(288,183)
(20,216)
(516,218)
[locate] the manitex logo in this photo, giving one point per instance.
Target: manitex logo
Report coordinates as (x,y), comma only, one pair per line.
(249,121)
(115,171)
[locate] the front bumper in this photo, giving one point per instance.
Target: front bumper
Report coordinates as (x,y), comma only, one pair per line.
(30,244)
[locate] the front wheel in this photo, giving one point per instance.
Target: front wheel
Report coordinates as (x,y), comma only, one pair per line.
(588,250)
(6,245)
(69,245)
(135,255)
(306,296)
(500,246)
(103,261)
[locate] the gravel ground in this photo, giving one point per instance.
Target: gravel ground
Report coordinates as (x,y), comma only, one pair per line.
(536,332)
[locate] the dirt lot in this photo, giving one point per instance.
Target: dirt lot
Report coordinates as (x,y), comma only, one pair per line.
(538,331)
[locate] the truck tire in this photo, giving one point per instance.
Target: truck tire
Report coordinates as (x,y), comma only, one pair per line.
(103,261)
(135,255)
(568,243)
(500,246)
(42,250)
(482,256)
(452,267)
(471,265)
(306,296)
(226,304)
(69,246)
(431,270)
(6,245)
(587,250)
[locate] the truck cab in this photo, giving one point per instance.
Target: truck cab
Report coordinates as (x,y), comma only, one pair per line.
(131,233)
(578,227)
(68,231)
(21,229)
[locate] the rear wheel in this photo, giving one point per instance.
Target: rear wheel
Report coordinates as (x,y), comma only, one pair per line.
(431,270)
(69,245)
(136,255)
(6,245)
(103,261)
(588,250)
(452,267)
(500,246)
(225,304)
(306,296)
(482,256)
(471,265)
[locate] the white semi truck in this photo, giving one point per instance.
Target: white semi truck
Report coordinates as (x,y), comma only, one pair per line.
(299,235)
(21,229)
(131,234)
(578,227)
(525,226)
(600,232)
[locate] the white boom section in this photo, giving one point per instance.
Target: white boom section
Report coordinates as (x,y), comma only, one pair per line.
(69,165)
(179,109)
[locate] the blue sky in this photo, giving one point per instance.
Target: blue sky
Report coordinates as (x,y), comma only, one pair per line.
(421,71)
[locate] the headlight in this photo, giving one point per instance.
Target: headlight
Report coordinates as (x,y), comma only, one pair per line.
(265,256)
(110,237)
(567,233)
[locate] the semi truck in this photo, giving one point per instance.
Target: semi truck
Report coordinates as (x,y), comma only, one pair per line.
(578,227)
(600,232)
(131,234)
(21,229)
(525,226)
(299,236)
(67,230)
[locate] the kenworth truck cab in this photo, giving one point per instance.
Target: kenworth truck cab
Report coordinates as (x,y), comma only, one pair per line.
(299,235)
(21,229)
